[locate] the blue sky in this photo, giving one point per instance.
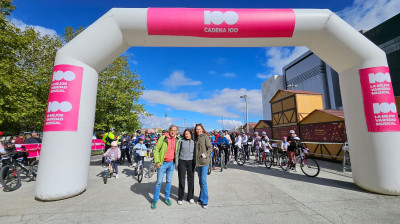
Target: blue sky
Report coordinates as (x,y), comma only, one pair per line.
(209,80)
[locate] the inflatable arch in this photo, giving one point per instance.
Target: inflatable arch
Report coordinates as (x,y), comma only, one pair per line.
(371,120)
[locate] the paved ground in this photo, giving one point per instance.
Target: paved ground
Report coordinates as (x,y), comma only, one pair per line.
(248,194)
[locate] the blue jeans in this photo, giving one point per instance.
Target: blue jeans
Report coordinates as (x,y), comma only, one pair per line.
(202,172)
(166,167)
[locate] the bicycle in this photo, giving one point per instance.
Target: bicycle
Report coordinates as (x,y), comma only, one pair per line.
(308,166)
(109,172)
(221,156)
(273,157)
(11,173)
(139,172)
(241,157)
(152,168)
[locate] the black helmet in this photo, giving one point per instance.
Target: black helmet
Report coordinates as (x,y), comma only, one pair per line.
(138,131)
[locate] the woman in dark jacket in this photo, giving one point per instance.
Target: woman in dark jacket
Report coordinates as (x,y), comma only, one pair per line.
(203,149)
(186,166)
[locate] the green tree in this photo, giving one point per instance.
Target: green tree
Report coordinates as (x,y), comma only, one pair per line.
(26,61)
(117,99)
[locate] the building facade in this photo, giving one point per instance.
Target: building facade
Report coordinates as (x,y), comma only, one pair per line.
(269,88)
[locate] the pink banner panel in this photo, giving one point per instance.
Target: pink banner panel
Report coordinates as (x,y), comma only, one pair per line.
(221,23)
(379,102)
(64,98)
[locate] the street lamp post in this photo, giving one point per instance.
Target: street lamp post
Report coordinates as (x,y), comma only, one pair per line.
(247,114)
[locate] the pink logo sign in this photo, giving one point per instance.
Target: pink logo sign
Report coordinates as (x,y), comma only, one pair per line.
(64,98)
(221,23)
(379,102)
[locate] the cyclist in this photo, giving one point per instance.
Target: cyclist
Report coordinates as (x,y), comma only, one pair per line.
(125,140)
(256,143)
(139,147)
(291,153)
(292,134)
(223,144)
(108,138)
(238,145)
(113,154)
(265,146)
(284,145)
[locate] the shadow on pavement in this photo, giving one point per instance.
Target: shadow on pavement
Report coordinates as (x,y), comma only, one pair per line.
(276,171)
(147,190)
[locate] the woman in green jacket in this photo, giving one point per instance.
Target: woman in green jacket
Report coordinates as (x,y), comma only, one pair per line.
(203,149)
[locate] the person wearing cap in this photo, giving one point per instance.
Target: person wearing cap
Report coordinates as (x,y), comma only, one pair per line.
(245,146)
(292,134)
(223,144)
(284,145)
(140,146)
(291,153)
(107,139)
(113,154)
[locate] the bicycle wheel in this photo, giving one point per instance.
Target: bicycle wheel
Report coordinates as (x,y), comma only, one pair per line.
(152,168)
(309,167)
(140,174)
(106,175)
(10,178)
(34,169)
(283,160)
(222,160)
(269,159)
(209,168)
(241,158)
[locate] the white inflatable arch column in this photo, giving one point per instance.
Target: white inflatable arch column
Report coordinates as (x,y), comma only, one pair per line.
(368,101)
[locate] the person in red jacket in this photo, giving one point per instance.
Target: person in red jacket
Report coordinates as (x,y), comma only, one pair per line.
(20,139)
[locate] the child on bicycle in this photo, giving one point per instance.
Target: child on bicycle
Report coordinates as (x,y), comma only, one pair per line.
(113,154)
(284,145)
(139,147)
(291,153)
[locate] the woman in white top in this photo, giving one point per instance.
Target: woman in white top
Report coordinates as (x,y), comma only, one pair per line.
(284,144)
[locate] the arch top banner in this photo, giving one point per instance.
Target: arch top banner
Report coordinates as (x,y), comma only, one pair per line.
(221,23)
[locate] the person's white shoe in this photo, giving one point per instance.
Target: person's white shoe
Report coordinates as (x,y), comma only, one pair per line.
(179,202)
(287,169)
(205,206)
(234,162)
(191,201)
(134,165)
(116,176)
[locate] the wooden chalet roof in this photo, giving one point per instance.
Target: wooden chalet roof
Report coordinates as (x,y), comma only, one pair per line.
(264,124)
(323,116)
(292,92)
(251,124)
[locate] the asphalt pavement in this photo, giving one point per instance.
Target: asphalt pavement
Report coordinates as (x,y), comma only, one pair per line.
(241,194)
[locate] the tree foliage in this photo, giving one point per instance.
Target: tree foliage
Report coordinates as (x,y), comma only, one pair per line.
(26,65)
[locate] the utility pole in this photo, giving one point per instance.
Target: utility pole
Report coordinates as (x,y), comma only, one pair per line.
(166,114)
(247,113)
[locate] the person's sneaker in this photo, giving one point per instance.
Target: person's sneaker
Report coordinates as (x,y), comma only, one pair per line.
(116,176)
(205,206)
(295,169)
(191,201)
(198,202)
(168,202)
(179,202)
(153,205)
(234,162)
(213,167)
(225,167)
(134,165)
(287,169)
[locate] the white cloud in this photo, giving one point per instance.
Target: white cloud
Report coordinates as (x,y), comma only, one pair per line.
(229,124)
(366,14)
(177,78)
(363,14)
(229,75)
(278,57)
(43,30)
(263,76)
(225,102)
(213,72)
(154,121)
